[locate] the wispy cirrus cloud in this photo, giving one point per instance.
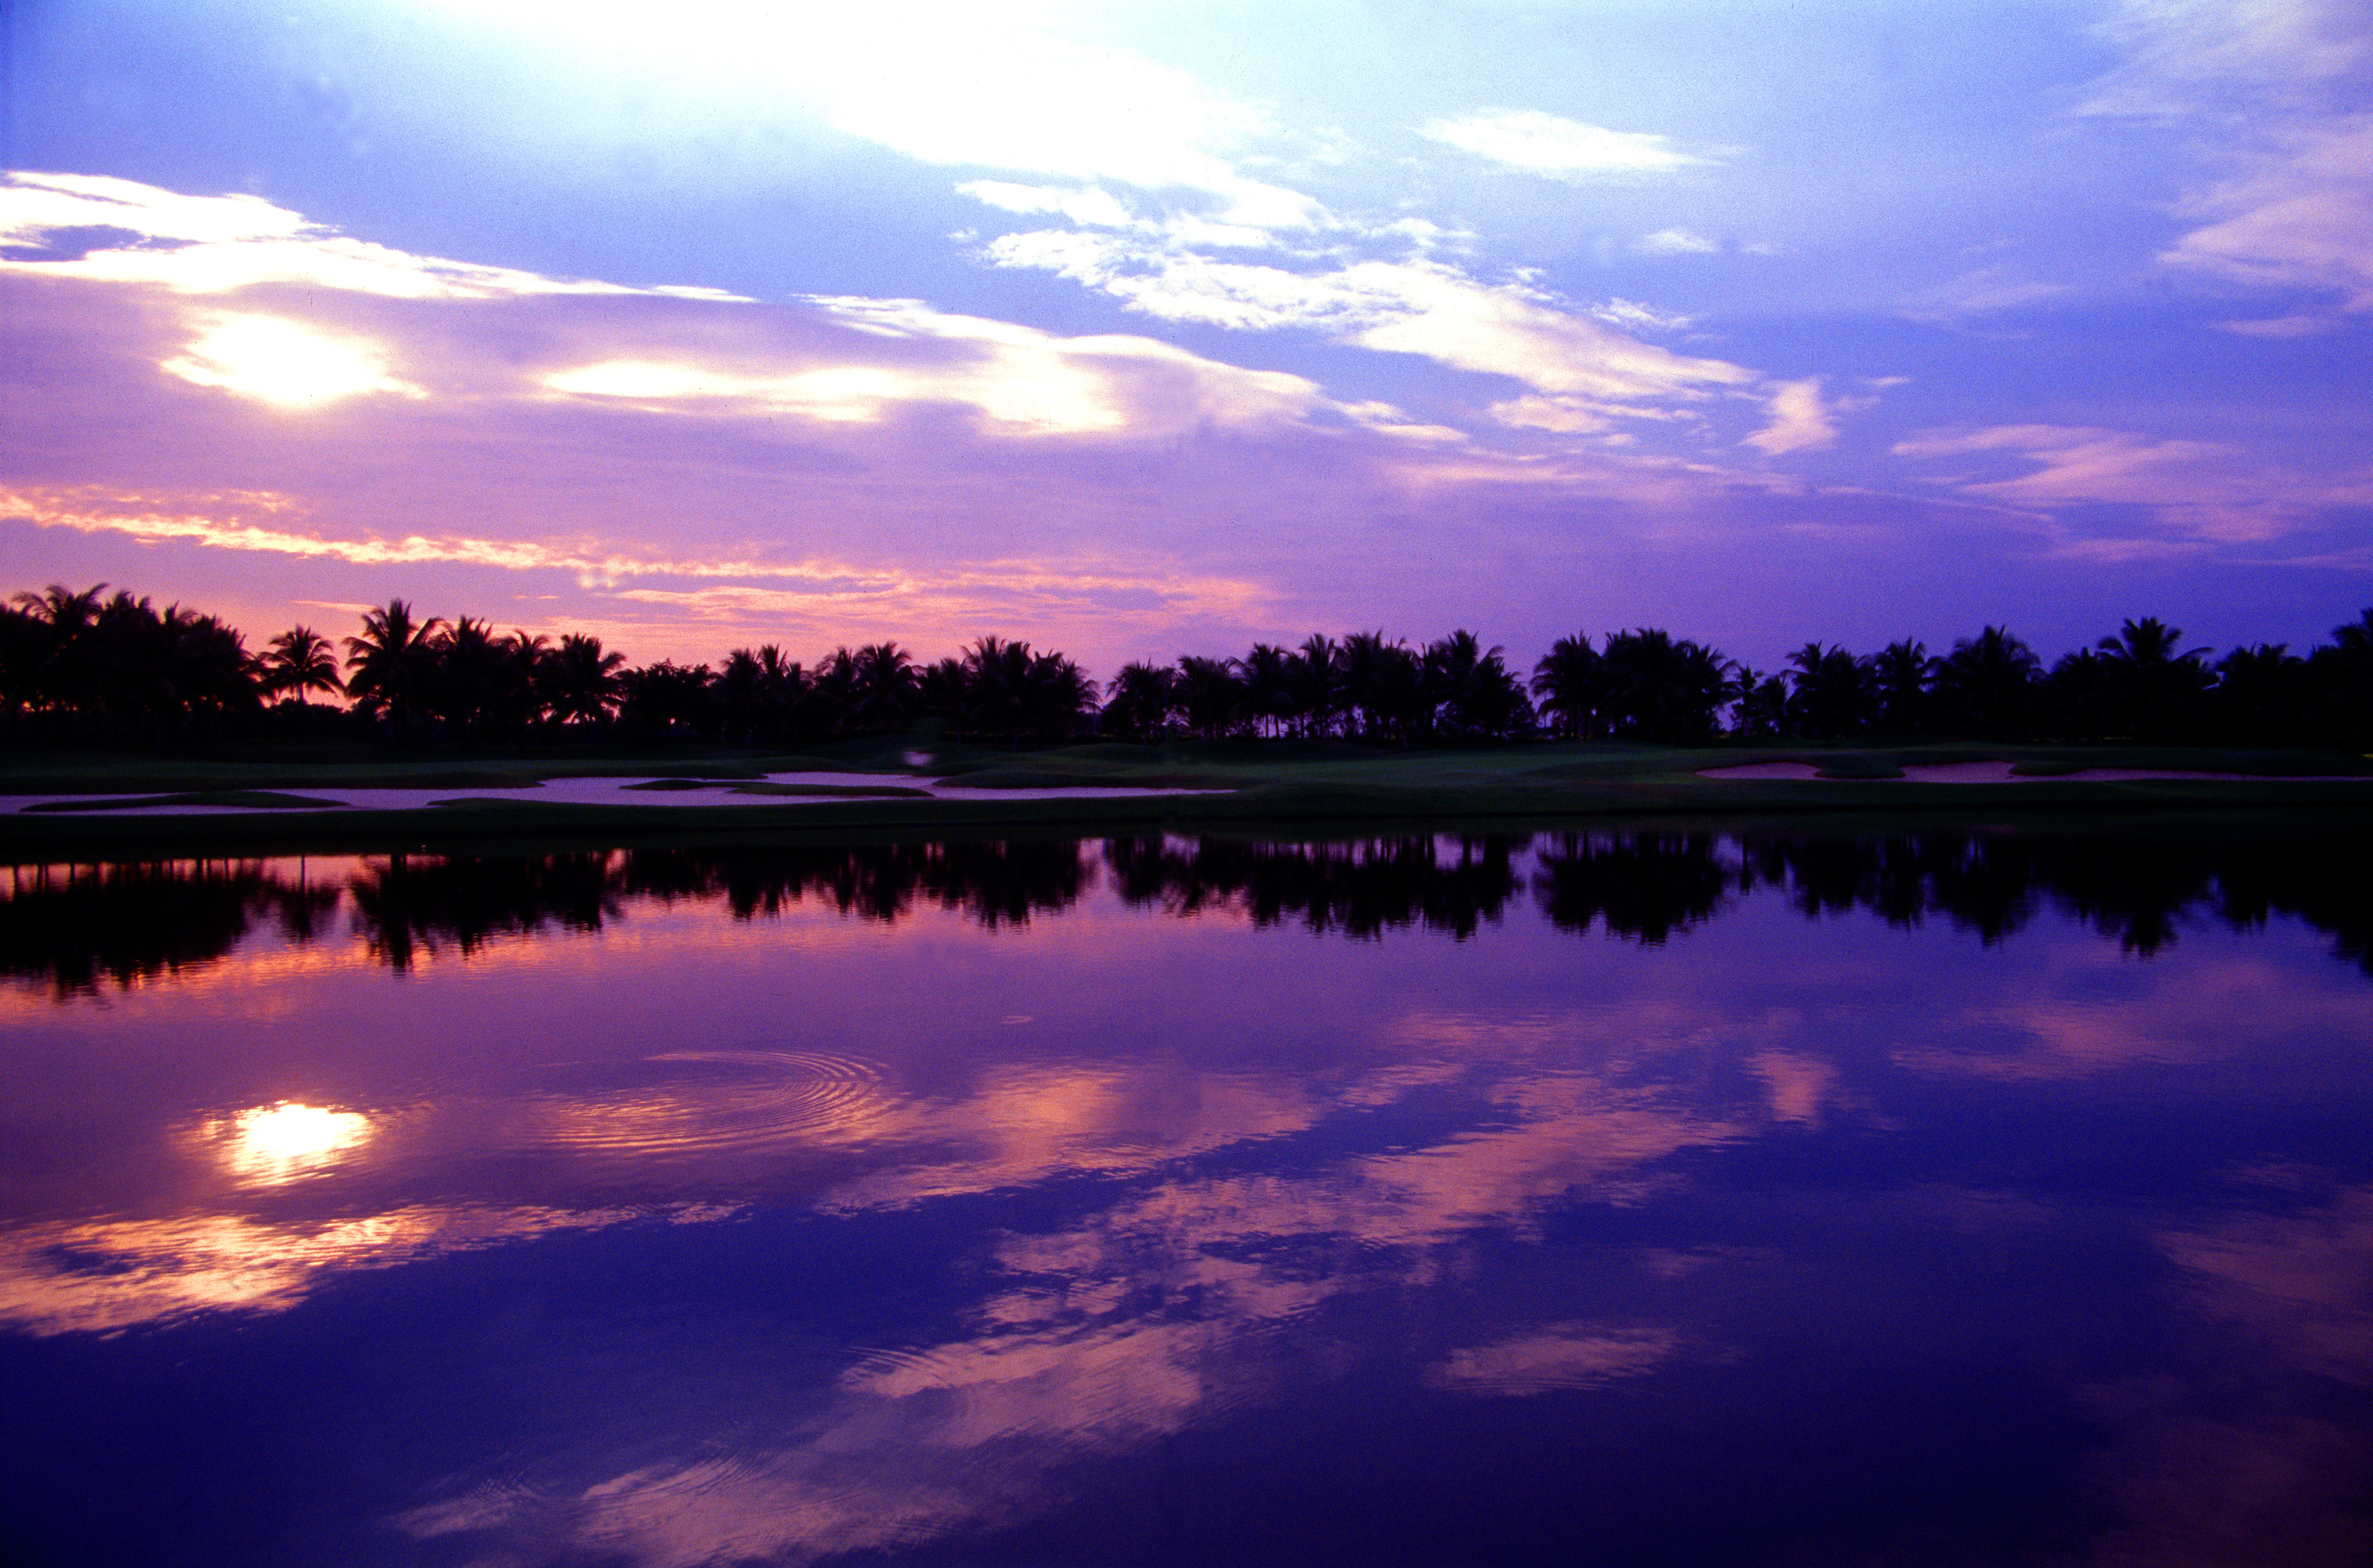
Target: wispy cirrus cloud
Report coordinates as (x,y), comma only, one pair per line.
(2212,490)
(2277,99)
(1561,148)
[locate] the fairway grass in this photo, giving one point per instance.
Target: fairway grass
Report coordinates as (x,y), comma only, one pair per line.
(1234,785)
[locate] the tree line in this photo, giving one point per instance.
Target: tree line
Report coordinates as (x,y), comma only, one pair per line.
(89,665)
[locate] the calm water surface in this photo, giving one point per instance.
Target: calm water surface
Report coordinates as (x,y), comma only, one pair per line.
(1961,1197)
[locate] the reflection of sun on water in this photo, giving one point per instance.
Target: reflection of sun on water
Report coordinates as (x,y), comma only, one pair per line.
(280,1143)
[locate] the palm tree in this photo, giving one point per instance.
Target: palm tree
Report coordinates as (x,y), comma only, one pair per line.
(1830,692)
(2261,696)
(883,687)
(390,665)
(1762,710)
(61,678)
(996,686)
(1570,686)
(1665,689)
(469,674)
(1901,674)
(1987,683)
(300,660)
(2157,690)
(2343,672)
(1314,677)
(1381,680)
(1473,694)
(1209,694)
(581,680)
(1139,701)
(1058,696)
(1267,691)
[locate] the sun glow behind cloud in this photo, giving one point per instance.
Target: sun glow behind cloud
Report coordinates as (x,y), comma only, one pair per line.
(285,363)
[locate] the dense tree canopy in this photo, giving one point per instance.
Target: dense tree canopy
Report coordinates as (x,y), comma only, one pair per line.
(90,665)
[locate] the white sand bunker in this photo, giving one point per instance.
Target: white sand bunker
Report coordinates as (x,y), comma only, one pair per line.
(2000,773)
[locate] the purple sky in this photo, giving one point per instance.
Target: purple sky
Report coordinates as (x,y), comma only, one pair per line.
(1139,330)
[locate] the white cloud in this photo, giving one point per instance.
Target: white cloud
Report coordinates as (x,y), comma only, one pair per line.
(1800,420)
(1561,148)
(1676,242)
(1417,306)
(286,364)
(218,245)
(956,85)
(1020,380)
(1081,205)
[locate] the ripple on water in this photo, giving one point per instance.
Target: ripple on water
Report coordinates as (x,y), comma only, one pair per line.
(753,1099)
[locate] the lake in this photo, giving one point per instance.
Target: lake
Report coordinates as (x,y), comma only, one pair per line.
(1959,1195)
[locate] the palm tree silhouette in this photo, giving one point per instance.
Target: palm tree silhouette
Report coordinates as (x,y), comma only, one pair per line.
(392,663)
(1139,701)
(1665,689)
(1988,682)
(1570,686)
(1901,674)
(582,684)
(2155,690)
(883,686)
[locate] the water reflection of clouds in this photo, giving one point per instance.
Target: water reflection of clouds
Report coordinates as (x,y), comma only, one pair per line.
(98,1276)
(2218,1007)
(2261,1456)
(1381,1127)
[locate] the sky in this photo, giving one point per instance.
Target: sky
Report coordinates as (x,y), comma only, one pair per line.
(1137,330)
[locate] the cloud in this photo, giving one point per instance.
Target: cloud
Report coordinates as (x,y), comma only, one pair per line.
(1020,380)
(229,527)
(2271,95)
(1676,242)
(2214,489)
(2297,214)
(286,363)
(1414,307)
(1800,420)
(1560,149)
(958,85)
(1084,205)
(218,245)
